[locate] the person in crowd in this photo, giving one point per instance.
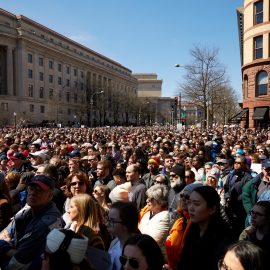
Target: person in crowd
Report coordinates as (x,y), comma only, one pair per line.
(259,231)
(119,176)
(233,194)
(153,167)
(161,179)
(207,168)
(74,165)
(83,214)
(256,189)
(22,241)
(198,168)
(76,183)
(175,239)
(137,193)
(177,183)
(122,223)
(93,160)
(189,176)
(101,194)
(155,219)
(141,252)
(208,235)
(104,177)
(37,158)
(65,249)
(168,164)
(19,163)
(5,203)
(244,255)
(213,177)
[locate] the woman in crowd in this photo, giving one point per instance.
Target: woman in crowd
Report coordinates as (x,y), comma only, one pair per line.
(122,224)
(5,203)
(208,235)
(101,194)
(244,255)
(259,231)
(65,250)
(155,219)
(141,252)
(76,183)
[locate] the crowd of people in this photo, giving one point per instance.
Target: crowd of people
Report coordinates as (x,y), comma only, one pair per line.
(146,198)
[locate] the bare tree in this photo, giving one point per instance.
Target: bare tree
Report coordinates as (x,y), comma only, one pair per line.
(204,78)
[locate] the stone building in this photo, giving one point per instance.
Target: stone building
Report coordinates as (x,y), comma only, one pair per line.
(45,76)
(254,36)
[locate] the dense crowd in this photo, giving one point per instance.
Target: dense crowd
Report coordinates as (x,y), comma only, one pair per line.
(145,198)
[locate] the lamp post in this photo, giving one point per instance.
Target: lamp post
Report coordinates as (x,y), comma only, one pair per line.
(91,104)
(15,120)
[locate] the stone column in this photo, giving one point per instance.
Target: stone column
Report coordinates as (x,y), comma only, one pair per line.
(10,87)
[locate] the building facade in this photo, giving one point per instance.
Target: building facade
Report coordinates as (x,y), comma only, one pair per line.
(254,38)
(45,76)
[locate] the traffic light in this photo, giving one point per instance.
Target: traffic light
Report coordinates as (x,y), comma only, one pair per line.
(176,101)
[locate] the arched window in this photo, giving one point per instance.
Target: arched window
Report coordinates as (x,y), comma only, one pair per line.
(261,83)
(245,86)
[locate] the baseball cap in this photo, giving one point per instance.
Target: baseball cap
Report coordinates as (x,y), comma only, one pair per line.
(38,154)
(178,170)
(44,181)
(222,161)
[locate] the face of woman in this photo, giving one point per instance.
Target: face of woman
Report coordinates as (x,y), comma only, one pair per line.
(211,181)
(133,259)
(184,197)
(97,193)
(153,205)
(77,186)
(230,261)
(73,211)
(258,218)
(198,209)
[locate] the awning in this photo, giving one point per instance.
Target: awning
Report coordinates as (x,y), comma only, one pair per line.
(241,115)
(259,113)
(234,118)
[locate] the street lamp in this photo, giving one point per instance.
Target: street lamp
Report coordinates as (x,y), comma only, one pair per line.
(91,104)
(15,120)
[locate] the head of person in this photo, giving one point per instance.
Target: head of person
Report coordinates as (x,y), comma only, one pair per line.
(48,169)
(240,164)
(40,191)
(74,164)
(223,164)
(37,158)
(243,255)
(83,210)
(177,176)
(260,214)
(133,173)
(204,205)
(189,177)
(185,194)
(168,162)
(17,160)
(153,164)
(4,190)
(13,179)
(157,198)
(208,166)
(161,179)
(213,177)
(197,162)
(123,218)
(77,183)
(104,168)
(119,176)
(64,249)
(101,194)
(93,160)
(266,169)
(141,252)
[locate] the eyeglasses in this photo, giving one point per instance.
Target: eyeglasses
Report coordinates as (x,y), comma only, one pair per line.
(73,184)
(112,222)
(132,262)
(173,176)
(158,182)
(184,196)
(254,213)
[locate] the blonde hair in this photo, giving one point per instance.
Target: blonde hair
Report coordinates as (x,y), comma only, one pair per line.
(87,211)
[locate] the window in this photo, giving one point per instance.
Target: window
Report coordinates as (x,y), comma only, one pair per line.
(40,61)
(50,64)
(50,78)
(75,98)
(258,47)
(68,97)
(258,12)
(41,92)
(30,73)
(4,107)
(30,58)
(82,74)
(68,70)
(42,109)
(75,72)
(41,76)
(261,83)
(30,90)
(68,82)
(245,90)
(59,80)
(75,85)
(32,108)
(59,67)
(51,93)
(81,86)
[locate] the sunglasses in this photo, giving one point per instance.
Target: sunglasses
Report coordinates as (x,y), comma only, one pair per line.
(173,175)
(238,162)
(158,182)
(73,184)
(132,262)
(184,196)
